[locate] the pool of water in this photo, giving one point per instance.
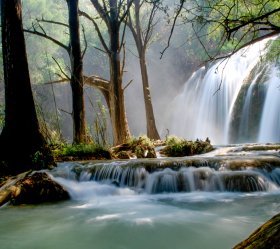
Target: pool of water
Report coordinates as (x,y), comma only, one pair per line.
(104,216)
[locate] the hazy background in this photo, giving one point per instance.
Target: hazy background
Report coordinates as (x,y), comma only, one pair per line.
(166,75)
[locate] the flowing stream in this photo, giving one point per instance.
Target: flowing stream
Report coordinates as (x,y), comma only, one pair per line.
(208,201)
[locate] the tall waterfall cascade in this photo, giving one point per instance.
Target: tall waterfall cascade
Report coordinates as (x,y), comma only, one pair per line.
(234,100)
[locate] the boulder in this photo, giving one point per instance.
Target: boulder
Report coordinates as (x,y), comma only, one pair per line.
(266,236)
(32,188)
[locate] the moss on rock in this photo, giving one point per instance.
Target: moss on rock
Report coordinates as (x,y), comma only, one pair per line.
(141,147)
(266,236)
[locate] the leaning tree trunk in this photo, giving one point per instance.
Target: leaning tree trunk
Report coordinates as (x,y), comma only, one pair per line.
(116,100)
(21,136)
(150,118)
(79,129)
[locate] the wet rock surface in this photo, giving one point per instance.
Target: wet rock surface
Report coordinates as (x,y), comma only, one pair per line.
(32,188)
(266,236)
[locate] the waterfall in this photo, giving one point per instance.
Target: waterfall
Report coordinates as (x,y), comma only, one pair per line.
(270,122)
(233,100)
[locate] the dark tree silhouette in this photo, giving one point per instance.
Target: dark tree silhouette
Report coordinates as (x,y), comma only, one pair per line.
(76,82)
(21,137)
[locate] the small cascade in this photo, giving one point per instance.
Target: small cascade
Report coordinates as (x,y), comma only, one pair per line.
(230,101)
(181,178)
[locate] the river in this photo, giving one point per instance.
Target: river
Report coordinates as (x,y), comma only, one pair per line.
(108,215)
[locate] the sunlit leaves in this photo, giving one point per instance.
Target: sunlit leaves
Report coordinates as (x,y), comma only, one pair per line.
(233,23)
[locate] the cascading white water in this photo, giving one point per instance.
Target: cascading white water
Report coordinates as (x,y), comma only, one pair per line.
(270,122)
(195,202)
(182,179)
(219,102)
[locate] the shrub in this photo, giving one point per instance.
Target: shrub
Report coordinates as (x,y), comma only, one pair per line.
(140,147)
(178,147)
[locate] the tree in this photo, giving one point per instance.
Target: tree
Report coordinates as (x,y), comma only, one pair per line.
(239,22)
(142,37)
(76,74)
(21,137)
(113,13)
(76,64)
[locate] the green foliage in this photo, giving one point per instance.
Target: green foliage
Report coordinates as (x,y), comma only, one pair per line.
(99,130)
(41,67)
(141,140)
(142,145)
(178,147)
(231,24)
(139,147)
(273,54)
(84,151)
(43,158)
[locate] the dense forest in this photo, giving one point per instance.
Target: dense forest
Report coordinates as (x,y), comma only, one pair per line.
(102,71)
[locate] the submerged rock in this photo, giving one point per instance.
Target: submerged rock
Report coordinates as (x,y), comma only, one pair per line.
(266,236)
(32,188)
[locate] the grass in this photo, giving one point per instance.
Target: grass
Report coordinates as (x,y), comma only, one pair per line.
(81,152)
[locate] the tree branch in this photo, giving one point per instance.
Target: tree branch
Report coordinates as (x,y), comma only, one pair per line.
(125,12)
(103,12)
(173,27)
(102,40)
(61,70)
(127,85)
(85,41)
(52,22)
(44,35)
(252,21)
(97,82)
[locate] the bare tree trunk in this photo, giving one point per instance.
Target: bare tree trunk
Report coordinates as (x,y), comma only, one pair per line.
(113,13)
(79,128)
(21,136)
(141,39)
(150,118)
(116,99)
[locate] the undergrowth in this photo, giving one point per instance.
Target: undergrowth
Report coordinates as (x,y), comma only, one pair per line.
(81,151)
(178,147)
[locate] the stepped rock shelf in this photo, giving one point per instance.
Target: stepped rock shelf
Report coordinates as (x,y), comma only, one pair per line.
(238,168)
